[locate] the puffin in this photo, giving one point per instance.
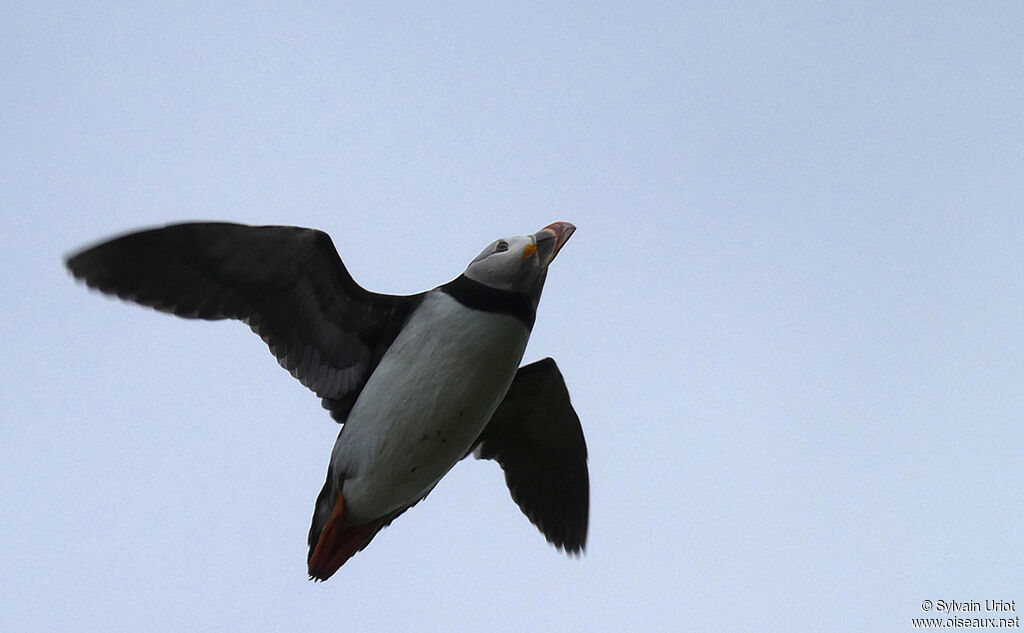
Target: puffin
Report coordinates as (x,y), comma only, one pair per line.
(418,382)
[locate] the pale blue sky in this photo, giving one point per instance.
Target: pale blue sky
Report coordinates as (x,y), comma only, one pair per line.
(791,318)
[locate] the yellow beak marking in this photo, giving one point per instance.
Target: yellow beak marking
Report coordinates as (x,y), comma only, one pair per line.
(529,250)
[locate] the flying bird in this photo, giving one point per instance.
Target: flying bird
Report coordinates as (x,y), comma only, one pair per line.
(418,381)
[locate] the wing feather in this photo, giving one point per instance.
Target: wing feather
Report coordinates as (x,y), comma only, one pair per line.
(536,437)
(287,283)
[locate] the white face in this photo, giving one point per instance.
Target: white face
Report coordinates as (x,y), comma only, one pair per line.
(511,263)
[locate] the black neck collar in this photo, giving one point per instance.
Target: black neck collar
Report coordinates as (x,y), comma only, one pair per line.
(476,295)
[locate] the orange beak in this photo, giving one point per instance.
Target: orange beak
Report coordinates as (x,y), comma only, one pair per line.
(551,238)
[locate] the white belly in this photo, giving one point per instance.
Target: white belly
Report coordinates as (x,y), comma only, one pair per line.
(430,397)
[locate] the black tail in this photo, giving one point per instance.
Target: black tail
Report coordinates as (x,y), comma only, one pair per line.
(322,511)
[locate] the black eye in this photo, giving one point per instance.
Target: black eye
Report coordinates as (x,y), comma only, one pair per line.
(501,246)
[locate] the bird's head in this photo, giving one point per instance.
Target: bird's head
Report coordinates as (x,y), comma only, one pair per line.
(520,264)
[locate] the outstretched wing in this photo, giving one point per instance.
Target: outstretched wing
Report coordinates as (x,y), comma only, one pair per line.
(287,283)
(536,436)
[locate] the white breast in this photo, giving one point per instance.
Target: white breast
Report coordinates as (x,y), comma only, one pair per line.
(429,398)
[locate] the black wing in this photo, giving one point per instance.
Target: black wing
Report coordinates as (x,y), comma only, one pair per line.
(536,437)
(287,283)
